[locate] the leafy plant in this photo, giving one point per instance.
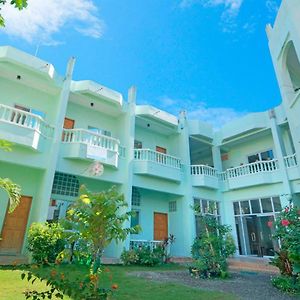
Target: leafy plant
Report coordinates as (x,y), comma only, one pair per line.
(99,218)
(287,284)
(19,4)
(212,248)
(45,242)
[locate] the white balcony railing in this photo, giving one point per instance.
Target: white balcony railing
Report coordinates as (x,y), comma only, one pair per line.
(157,157)
(25,119)
(290,161)
(203,170)
(90,138)
(134,244)
(253,168)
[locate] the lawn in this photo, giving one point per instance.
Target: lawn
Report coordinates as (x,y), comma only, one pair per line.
(129,287)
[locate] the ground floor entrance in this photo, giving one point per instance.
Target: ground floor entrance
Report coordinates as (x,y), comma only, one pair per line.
(14,228)
(160,226)
(254,221)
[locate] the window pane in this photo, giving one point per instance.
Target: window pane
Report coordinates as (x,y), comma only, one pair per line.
(266,205)
(255,206)
(253,158)
(267,155)
(245,207)
(277,204)
(199,225)
(138,144)
(236,208)
(135,220)
(204,206)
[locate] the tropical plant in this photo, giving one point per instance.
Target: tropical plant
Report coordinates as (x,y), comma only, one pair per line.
(13,190)
(19,4)
(45,242)
(211,248)
(100,218)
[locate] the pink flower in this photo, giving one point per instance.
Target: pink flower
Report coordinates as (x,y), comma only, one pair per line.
(286,209)
(285,222)
(270,224)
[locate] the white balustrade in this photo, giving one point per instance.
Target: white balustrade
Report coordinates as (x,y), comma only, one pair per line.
(203,170)
(290,161)
(90,138)
(222,176)
(25,119)
(157,157)
(252,168)
(134,244)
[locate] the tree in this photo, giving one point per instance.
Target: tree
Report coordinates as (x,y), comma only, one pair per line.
(99,218)
(13,190)
(19,4)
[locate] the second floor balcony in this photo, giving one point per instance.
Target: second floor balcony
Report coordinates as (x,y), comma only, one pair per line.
(23,127)
(87,145)
(157,164)
(204,176)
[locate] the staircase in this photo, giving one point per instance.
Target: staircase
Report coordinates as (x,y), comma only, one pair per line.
(252,264)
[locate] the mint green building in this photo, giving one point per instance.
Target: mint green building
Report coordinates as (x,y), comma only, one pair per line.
(164,164)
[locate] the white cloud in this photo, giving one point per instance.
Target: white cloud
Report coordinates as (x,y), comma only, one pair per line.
(42,19)
(216,116)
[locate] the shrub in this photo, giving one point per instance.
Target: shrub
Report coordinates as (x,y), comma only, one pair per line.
(287,284)
(211,249)
(45,242)
(144,256)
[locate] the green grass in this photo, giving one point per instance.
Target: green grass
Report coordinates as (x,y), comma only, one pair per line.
(129,287)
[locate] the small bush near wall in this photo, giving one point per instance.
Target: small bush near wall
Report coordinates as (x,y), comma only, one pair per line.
(45,242)
(211,249)
(287,258)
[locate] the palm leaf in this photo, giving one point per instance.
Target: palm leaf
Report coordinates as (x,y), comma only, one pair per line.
(14,193)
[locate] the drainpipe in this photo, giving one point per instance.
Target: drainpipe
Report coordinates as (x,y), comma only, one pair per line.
(279,148)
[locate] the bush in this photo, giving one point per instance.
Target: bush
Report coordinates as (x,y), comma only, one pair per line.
(45,242)
(287,284)
(211,249)
(144,256)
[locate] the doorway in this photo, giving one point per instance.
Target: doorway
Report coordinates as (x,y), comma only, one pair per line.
(160,226)
(14,228)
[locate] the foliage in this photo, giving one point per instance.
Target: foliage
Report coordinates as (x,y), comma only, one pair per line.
(99,218)
(144,255)
(19,4)
(287,284)
(287,230)
(59,283)
(212,248)
(45,242)
(13,190)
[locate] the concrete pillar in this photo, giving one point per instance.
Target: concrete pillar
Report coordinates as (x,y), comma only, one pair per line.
(41,209)
(279,148)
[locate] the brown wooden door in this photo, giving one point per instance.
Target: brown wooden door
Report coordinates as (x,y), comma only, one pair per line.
(160,226)
(14,227)
(68,124)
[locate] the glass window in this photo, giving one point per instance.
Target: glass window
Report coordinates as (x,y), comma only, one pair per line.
(135,197)
(253,158)
(245,207)
(255,206)
(267,155)
(135,219)
(204,206)
(266,205)
(99,131)
(172,206)
(65,184)
(277,204)
(138,144)
(236,207)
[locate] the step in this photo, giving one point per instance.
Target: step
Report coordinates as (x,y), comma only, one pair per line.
(13,260)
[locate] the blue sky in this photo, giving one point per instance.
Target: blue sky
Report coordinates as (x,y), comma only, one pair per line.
(210,57)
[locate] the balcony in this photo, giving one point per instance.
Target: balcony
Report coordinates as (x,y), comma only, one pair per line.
(257,173)
(23,128)
(204,176)
(87,145)
(156,164)
(291,165)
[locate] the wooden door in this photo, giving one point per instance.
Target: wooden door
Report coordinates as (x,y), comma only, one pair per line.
(14,227)
(68,124)
(160,226)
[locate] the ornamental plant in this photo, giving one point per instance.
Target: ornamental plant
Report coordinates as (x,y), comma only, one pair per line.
(100,218)
(211,249)
(287,230)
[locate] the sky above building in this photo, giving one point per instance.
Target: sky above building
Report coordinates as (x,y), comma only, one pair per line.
(209,57)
